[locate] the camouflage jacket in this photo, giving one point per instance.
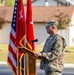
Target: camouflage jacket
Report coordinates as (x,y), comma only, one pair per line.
(52,54)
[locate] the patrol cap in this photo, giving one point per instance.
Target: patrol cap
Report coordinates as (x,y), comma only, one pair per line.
(51,22)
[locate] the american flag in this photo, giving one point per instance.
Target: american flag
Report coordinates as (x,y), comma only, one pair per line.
(12,57)
(17,35)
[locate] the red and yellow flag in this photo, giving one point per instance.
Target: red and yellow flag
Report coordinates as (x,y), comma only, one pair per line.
(30,27)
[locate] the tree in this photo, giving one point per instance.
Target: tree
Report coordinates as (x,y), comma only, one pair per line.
(1,0)
(25,2)
(11,2)
(2,22)
(63,20)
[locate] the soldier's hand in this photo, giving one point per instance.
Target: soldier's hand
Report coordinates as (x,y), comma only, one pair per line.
(38,54)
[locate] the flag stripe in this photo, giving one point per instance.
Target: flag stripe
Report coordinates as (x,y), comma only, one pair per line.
(11,50)
(11,57)
(13,32)
(12,45)
(12,38)
(12,66)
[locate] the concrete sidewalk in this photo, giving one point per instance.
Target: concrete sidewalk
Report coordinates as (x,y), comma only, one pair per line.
(66,65)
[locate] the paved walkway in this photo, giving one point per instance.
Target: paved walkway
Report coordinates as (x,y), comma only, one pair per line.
(66,65)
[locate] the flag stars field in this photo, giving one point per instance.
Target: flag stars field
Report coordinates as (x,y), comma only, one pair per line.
(13,24)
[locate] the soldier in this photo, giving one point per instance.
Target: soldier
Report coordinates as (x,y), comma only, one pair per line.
(53,51)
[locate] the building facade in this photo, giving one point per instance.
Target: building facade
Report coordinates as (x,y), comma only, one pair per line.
(41,15)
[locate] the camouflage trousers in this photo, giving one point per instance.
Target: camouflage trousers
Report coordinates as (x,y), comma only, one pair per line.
(52,73)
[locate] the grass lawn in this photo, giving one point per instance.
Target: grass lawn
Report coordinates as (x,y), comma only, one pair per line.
(3,52)
(69,54)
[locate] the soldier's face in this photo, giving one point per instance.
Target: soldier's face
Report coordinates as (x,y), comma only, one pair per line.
(49,29)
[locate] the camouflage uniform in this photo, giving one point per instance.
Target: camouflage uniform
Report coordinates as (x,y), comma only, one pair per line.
(52,55)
